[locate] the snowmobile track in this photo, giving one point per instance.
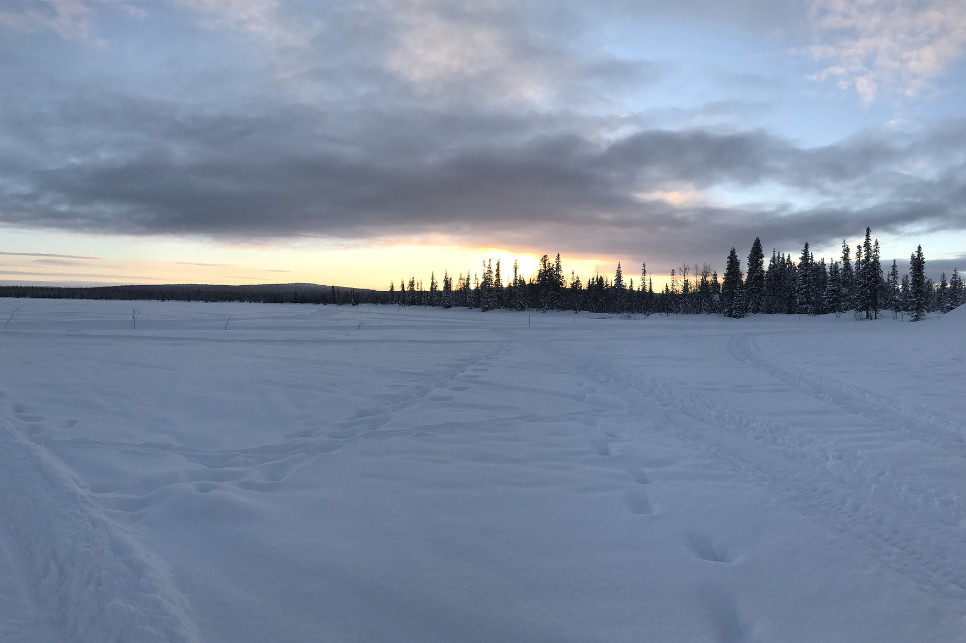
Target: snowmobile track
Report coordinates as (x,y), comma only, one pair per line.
(797,468)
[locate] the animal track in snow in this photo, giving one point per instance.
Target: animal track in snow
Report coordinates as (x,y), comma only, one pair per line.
(602,448)
(641,477)
(638,503)
(728,623)
(709,549)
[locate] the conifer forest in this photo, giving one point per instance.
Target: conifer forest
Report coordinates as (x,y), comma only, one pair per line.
(854,282)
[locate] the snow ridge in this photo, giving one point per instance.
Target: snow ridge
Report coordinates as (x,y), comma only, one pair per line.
(95,582)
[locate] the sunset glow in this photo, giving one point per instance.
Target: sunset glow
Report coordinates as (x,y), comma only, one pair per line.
(360,143)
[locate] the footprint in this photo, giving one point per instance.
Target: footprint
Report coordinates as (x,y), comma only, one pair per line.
(706,548)
(602,449)
(641,477)
(638,503)
(727,622)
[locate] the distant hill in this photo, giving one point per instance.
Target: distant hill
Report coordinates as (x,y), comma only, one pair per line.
(256,293)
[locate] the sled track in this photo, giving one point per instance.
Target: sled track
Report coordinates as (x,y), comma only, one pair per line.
(831,487)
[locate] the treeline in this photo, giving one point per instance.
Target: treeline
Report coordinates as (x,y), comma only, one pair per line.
(852,282)
(262,294)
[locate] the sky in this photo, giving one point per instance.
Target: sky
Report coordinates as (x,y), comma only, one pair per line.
(362,142)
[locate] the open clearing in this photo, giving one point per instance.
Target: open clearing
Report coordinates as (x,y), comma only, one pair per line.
(385,474)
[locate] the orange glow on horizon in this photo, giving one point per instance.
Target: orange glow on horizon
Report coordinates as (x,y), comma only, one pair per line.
(29,257)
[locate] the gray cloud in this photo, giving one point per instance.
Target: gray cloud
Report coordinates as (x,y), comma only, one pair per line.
(44,254)
(157,169)
(356,123)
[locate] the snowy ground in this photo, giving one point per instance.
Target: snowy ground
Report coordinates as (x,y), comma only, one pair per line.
(376,474)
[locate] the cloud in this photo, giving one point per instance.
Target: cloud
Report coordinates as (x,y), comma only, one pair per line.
(496,123)
(44,254)
(264,18)
(891,46)
(479,177)
(68,18)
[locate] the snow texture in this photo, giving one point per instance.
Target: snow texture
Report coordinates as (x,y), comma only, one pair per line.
(387,474)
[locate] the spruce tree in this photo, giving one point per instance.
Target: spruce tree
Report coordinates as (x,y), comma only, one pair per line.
(876,282)
(433,290)
(804,290)
(715,293)
(833,290)
(848,278)
(867,285)
(575,292)
(942,295)
(819,286)
(446,300)
(772,285)
(619,291)
(957,293)
(486,295)
(732,298)
(515,298)
(892,290)
(755,282)
(919,297)
(905,294)
(645,298)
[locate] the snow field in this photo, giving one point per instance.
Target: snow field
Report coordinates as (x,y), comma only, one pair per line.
(375,473)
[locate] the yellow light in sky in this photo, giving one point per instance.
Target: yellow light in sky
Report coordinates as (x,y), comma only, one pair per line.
(60,258)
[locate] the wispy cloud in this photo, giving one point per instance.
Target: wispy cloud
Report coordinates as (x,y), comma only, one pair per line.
(887,46)
(44,254)
(69,18)
(60,262)
(264,18)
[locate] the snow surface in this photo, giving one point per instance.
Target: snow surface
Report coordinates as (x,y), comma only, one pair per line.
(381,474)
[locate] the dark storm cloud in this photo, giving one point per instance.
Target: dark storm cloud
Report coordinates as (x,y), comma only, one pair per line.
(368,128)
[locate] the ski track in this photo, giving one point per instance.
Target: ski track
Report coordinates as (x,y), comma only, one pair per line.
(83,575)
(830,487)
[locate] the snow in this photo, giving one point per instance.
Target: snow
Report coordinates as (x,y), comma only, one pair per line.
(385,474)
